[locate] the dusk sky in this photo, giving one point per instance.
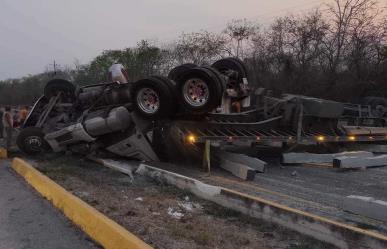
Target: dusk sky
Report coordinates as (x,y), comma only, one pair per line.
(34,33)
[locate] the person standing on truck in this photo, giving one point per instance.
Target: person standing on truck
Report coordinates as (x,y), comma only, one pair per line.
(8,126)
(117,72)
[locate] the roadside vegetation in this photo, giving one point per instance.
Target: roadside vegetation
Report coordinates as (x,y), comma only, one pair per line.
(337,52)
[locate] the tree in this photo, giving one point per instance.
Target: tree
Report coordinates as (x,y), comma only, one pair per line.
(237,32)
(199,48)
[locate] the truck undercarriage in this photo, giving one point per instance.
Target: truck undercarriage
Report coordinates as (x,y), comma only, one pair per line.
(157,117)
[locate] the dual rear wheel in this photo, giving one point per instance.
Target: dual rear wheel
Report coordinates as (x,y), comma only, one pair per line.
(188,90)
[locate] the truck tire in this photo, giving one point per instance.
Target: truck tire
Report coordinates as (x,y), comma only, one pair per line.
(378,106)
(199,91)
(31,141)
(232,67)
(55,86)
(171,85)
(152,98)
(176,73)
(218,75)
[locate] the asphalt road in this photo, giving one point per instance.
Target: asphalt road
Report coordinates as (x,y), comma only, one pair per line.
(27,221)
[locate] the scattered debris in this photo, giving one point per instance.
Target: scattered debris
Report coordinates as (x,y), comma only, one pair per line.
(294,173)
(138,199)
(82,194)
(175,213)
(190,206)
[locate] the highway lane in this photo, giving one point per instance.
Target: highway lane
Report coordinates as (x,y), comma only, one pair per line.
(31,222)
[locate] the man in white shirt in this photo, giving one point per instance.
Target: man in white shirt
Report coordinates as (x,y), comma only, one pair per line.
(118,73)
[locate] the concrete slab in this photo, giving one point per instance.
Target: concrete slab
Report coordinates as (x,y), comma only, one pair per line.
(240,165)
(351,162)
(123,167)
(299,158)
(366,206)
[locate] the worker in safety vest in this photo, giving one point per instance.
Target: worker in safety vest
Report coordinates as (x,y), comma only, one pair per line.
(118,73)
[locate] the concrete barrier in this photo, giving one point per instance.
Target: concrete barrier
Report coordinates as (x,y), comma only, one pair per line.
(366,206)
(349,162)
(333,232)
(100,228)
(115,165)
(298,158)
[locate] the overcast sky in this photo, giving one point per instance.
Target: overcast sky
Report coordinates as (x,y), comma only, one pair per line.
(34,33)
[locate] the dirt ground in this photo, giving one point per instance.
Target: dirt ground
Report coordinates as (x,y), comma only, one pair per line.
(163,216)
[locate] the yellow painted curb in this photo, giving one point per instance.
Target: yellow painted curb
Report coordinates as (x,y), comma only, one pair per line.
(102,229)
(3,153)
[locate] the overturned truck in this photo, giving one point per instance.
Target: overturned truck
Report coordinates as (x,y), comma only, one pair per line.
(162,118)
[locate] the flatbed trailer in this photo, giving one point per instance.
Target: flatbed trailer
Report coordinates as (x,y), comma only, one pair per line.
(354,124)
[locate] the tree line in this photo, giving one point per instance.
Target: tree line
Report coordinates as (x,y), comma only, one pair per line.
(337,52)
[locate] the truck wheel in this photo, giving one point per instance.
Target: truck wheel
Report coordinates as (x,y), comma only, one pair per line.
(55,86)
(232,67)
(153,98)
(199,91)
(171,85)
(176,73)
(378,106)
(31,141)
(218,75)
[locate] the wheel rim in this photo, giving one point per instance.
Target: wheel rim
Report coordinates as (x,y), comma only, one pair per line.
(34,143)
(196,92)
(148,100)
(380,110)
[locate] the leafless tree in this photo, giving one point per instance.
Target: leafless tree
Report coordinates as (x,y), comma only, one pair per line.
(199,48)
(238,31)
